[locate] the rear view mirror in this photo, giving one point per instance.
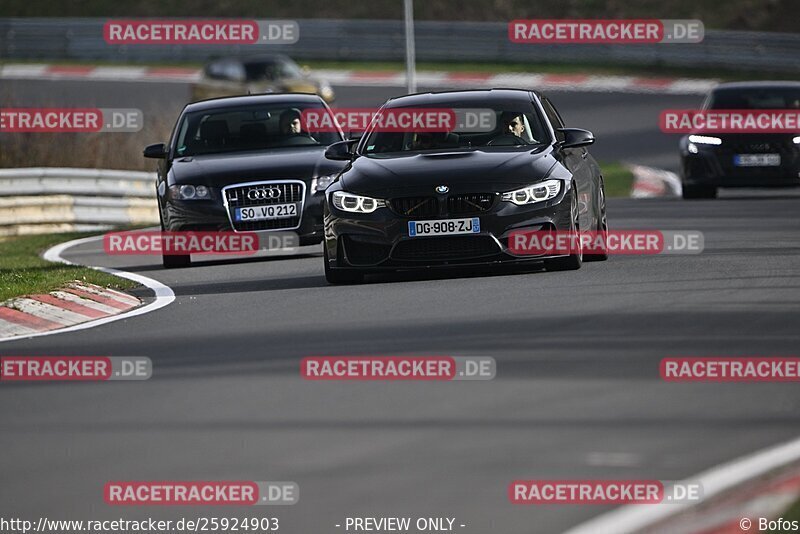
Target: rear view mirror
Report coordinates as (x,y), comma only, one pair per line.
(157,151)
(575,137)
(341,151)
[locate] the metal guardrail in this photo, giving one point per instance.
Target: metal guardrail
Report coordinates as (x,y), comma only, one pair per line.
(82,39)
(49,200)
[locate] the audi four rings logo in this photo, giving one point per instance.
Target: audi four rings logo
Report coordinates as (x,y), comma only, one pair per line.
(263,193)
(442,189)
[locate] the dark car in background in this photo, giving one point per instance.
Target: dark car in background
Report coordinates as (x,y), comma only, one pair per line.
(408,200)
(245,164)
(268,73)
(713,160)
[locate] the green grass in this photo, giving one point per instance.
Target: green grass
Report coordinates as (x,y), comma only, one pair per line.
(792,514)
(24,272)
(618,179)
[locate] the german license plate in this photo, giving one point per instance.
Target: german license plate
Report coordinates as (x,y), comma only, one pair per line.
(444,227)
(757,160)
(265,213)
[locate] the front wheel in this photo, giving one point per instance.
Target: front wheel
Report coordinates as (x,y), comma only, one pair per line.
(698,191)
(170,261)
(339,276)
(602,227)
(574,260)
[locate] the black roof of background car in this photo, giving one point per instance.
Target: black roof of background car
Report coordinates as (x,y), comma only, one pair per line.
(780,84)
(244,100)
(461,96)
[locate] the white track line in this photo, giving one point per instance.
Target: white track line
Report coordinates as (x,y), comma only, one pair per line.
(715,481)
(163,294)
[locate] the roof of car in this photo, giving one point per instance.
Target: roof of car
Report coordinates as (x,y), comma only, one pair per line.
(462,97)
(245,100)
(780,84)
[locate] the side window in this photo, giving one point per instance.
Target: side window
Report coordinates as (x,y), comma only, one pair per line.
(553,117)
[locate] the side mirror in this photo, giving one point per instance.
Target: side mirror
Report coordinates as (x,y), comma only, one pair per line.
(156,151)
(341,151)
(575,137)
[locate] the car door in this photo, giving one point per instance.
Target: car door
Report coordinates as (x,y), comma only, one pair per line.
(580,163)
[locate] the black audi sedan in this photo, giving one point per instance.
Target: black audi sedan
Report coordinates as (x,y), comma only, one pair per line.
(410,199)
(764,159)
(245,164)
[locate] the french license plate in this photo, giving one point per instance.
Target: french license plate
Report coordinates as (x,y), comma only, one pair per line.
(264,213)
(757,160)
(444,227)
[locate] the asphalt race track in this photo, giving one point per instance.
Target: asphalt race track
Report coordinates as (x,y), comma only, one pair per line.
(626,125)
(577,393)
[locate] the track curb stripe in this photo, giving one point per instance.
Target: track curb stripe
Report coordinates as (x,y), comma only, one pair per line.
(435,79)
(49,319)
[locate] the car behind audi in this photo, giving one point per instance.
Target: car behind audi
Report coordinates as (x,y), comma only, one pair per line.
(713,160)
(245,164)
(414,199)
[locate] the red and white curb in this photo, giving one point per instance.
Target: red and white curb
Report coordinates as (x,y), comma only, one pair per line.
(650,182)
(78,306)
(762,484)
(432,79)
(74,304)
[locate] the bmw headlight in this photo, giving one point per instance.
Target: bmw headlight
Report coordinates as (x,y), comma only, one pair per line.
(355,203)
(189,192)
(540,192)
(321,183)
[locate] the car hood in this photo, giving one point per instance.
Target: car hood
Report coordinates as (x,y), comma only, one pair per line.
(462,171)
(217,170)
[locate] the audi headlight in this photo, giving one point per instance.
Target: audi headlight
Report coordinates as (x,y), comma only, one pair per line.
(540,192)
(796,140)
(190,192)
(356,203)
(321,183)
(705,140)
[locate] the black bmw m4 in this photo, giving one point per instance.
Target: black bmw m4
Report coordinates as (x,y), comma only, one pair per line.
(411,199)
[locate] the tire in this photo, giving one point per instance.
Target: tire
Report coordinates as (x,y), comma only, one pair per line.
(602,226)
(340,276)
(572,262)
(174,262)
(698,191)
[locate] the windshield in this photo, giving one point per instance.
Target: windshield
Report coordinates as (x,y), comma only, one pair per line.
(248,128)
(759,98)
(515,124)
(272,70)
